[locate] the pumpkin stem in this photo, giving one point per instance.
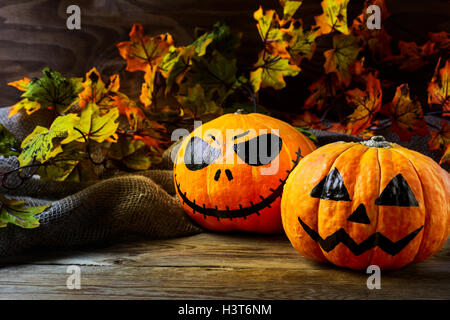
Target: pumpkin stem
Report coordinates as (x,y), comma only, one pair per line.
(240,111)
(377,142)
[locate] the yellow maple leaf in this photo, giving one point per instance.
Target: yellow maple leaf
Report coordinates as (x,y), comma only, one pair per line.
(334,17)
(270,72)
(345,51)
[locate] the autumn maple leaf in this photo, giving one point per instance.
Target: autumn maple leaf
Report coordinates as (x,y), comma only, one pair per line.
(302,44)
(446,156)
(366,104)
(334,17)
(146,96)
(20,84)
(406,115)
(143,50)
(376,40)
(96,91)
(290,7)
(129,108)
(413,57)
(345,51)
(321,91)
(440,138)
(270,72)
(275,38)
(439,90)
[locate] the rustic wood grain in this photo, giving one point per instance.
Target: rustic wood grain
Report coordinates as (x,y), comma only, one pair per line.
(212,266)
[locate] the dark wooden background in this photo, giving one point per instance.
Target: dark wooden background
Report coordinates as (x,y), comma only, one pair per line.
(33,33)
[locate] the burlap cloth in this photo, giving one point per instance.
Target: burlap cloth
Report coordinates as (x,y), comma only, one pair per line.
(117,208)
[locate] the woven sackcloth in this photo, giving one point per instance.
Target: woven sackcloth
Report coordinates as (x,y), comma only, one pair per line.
(123,205)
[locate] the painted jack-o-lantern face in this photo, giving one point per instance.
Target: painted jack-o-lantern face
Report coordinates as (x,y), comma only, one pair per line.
(230,172)
(357,204)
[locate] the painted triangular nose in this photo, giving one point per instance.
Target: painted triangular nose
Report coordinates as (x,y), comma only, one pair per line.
(359,215)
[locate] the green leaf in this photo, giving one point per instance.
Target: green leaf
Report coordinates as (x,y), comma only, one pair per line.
(15,212)
(311,136)
(96,126)
(132,153)
(9,146)
(216,74)
(53,90)
(43,144)
(303,44)
(64,163)
(290,8)
(220,38)
(271,72)
(178,62)
(57,170)
(198,103)
(345,51)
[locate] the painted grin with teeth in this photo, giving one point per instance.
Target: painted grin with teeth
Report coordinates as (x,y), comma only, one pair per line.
(241,212)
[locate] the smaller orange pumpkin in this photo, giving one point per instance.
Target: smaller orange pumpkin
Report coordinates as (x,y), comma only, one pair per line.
(231,187)
(371,203)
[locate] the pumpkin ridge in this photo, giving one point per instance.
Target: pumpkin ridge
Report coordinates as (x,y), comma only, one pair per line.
(242,212)
(372,252)
(424,200)
(407,155)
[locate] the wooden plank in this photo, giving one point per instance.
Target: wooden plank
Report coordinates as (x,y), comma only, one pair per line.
(212,266)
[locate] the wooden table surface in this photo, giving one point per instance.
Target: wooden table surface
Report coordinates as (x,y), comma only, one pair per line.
(212,266)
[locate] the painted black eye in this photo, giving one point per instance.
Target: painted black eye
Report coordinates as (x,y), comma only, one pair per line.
(199,154)
(397,193)
(331,188)
(260,150)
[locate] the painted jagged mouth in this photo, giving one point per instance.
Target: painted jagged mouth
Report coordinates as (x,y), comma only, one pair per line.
(242,212)
(375,240)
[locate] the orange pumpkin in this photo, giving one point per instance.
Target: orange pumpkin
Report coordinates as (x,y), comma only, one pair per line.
(229,173)
(370,203)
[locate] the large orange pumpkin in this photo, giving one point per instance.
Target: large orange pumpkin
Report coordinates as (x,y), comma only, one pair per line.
(370,203)
(227,179)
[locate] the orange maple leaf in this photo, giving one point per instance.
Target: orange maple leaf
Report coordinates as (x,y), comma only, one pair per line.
(321,90)
(406,115)
(150,132)
(96,91)
(377,40)
(146,96)
(129,108)
(439,90)
(20,84)
(142,51)
(366,103)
